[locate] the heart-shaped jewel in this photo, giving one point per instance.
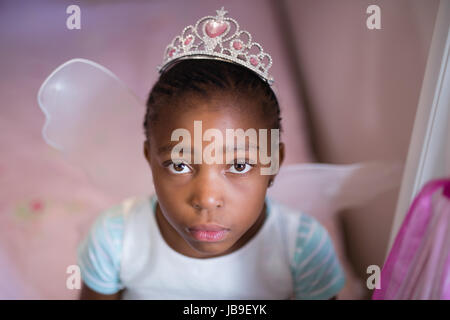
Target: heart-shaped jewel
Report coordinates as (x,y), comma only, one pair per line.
(215,29)
(171,52)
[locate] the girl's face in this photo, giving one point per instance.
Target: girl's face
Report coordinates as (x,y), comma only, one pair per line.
(207,210)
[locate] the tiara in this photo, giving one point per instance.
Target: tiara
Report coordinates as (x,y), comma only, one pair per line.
(218,38)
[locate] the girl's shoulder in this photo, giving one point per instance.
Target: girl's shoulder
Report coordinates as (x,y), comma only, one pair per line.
(300,230)
(99,253)
(314,264)
(296,219)
(302,224)
(111,222)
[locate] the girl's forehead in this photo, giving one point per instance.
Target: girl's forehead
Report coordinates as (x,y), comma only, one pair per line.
(221,112)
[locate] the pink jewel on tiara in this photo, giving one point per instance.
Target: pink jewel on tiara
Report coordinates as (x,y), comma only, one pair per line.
(237,45)
(188,40)
(254,61)
(218,37)
(214,28)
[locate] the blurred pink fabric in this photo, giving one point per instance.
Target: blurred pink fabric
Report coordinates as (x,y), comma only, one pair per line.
(418,265)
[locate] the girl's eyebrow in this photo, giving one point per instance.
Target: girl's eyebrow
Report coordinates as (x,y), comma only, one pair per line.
(167,148)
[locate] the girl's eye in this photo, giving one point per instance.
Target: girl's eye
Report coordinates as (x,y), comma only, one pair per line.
(240,168)
(178,167)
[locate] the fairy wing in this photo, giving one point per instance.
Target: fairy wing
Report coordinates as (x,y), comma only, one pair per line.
(323,189)
(95,121)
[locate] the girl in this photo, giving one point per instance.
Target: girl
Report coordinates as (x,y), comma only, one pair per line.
(209,231)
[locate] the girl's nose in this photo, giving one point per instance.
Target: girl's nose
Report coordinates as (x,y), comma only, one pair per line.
(207,203)
(207,192)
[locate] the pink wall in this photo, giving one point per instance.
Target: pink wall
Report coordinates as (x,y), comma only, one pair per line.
(363,87)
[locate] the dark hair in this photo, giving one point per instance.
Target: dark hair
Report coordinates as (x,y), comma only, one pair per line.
(205,77)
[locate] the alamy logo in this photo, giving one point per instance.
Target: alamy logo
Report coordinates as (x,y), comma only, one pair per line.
(74,20)
(374,20)
(373,282)
(74,280)
(213,152)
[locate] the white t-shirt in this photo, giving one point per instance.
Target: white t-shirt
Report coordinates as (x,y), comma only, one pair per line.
(291,256)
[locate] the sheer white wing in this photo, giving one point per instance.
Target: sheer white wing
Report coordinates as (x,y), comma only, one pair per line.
(96,122)
(323,189)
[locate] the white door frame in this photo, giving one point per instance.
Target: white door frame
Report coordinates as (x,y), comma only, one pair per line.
(429,150)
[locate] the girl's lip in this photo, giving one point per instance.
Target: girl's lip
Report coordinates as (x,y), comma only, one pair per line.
(208,232)
(207,235)
(208,227)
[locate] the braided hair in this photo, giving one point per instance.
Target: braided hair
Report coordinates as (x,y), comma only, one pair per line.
(205,78)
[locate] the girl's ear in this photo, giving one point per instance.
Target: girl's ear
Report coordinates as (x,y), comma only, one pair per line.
(147,150)
(281,159)
(282,151)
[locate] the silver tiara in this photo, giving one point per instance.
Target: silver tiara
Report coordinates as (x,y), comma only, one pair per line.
(218,38)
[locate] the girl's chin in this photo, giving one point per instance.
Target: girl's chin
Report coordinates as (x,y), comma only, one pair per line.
(210,249)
